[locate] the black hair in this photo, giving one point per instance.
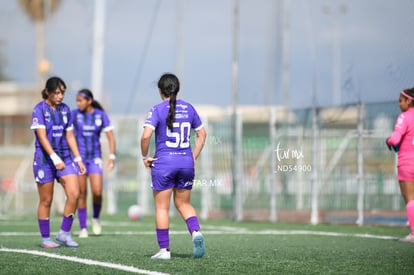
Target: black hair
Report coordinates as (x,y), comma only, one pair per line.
(169,86)
(86,93)
(52,84)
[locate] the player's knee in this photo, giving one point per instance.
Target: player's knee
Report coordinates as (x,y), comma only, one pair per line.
(46,202)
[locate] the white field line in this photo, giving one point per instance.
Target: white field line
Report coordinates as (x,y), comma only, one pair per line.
(83,261)
(232,232)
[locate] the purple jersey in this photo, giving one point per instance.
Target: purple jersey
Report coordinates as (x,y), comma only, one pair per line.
(172,147)
(55,121)
(88,128)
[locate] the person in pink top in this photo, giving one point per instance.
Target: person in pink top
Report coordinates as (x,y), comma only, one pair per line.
(402,141)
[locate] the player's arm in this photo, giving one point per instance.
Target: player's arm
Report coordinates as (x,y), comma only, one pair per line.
(145,142)
(111,143)
(44,141)
(200,139)
(73,146)
(399,130)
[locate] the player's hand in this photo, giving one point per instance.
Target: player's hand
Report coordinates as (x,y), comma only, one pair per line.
(82,168)
(394,148)
(111,164)
(148,161)
(388,145)
(60,166)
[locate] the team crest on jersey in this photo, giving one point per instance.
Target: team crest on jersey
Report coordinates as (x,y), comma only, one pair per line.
(41,174)
(98,122)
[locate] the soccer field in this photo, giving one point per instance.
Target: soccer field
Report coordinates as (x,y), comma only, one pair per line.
(231,248)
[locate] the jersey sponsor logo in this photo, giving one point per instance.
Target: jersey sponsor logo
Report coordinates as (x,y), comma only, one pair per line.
(182,106)
(79,118)
(35,121)
(65,119)
(149,116)
(47,116)
(188,183)
(181,116)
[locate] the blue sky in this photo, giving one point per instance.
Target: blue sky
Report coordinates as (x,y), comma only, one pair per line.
(376,50)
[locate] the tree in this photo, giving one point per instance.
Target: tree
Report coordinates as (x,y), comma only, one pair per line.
(39,11)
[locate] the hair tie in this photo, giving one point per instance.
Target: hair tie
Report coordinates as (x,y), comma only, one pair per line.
(406,95)
(84,95)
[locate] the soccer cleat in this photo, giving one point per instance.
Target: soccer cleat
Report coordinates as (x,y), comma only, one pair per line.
(49,244)
(198,244)
(409,239)
(83,233)
(163,254)
(96,227)
(66,239)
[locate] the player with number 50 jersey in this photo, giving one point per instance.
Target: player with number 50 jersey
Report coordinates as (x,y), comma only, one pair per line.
(172,166)
(173,148)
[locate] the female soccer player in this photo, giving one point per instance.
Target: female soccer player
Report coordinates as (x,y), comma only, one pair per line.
(89,121)
(172,167)
(402,140)
(55,144)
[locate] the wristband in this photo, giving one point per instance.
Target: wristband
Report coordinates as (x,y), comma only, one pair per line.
(144,158)
(112,156)
(77,159)
(55,159)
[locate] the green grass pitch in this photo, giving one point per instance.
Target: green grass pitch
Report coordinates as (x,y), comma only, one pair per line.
(231,248)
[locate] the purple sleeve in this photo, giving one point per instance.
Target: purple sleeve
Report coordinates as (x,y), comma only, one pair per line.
(106,123)
(152,119)
(38,119)
(399,130)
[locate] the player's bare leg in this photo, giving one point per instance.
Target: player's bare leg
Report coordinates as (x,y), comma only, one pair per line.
(187,212)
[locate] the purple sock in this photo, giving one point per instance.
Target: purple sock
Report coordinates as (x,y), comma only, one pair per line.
(67,223)
(96,210)
(44,226)
(192,224)
(82,215)
(163,238)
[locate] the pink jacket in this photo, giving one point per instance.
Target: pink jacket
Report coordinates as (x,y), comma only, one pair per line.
(403,136)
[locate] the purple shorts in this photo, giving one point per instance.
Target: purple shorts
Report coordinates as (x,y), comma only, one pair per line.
(93,166)
(164,178)
(48,173)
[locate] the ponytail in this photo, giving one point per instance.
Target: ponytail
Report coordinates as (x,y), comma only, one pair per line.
(87,94)
(95,104)
(169,86)
(44,94)
(171,112)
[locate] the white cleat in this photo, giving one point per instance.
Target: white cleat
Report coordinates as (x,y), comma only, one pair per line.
(83,233)
(163,254)
(408,239)
(96,227)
